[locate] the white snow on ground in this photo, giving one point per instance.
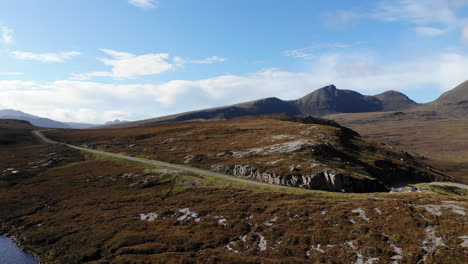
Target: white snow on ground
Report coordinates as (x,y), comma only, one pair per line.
(324,212)
(430,243)
(377,210)
(360,257)
(262,245)
(465,241)
(187,214)
(436,209)
(399,253)
(150,217)
(361,213)
(352,221)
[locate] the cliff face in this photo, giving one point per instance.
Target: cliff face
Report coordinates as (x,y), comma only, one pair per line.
(328,180)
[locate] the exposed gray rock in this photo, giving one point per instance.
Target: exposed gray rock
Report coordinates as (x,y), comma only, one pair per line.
(328,180)
(288,147)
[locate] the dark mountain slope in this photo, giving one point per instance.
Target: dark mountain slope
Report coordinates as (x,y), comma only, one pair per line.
(452,102)
(329,100)
(34,120)
(270,105)
(325,101)
(395,101)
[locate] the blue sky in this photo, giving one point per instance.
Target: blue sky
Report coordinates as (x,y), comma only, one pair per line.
(94,61)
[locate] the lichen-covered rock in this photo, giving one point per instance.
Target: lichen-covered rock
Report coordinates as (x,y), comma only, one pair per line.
(327,180)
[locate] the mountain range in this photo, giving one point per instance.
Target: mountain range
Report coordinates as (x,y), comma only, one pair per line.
(324,101)
(46,122)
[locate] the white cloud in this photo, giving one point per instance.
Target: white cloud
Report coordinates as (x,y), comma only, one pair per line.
(64,100)
(7,34)
(16,84)
(83,115)
(299,53)
(430,31)
(430,16)
(419,11)
(343,17)
(125,65)
(145,4)
(209,60)
(128,66)
(309,52)
(464,35)
(45,57)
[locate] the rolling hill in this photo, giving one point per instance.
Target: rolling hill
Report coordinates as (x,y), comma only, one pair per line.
(324,101)
(34,120)
(452,102)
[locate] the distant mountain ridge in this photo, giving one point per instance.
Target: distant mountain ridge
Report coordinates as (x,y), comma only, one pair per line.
(321,102)
(41,121)
(324,101)
(454,101)
(34,120)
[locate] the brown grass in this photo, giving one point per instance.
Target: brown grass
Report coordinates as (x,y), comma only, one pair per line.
(85,209)
(442,141)
(203,144)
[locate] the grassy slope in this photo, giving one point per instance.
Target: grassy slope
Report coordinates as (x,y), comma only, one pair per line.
(14,132)
(203,144)
(442,140)
(84,209)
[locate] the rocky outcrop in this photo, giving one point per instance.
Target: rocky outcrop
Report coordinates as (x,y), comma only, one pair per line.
(327,180)
(288,147)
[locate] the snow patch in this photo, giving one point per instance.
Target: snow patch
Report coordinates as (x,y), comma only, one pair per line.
(377,210)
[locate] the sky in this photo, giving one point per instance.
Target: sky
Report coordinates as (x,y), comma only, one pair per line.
(95,61)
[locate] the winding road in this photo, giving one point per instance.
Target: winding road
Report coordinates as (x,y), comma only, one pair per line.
(41,136)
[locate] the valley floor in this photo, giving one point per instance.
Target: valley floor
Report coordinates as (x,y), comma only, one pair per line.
(439,140)
(74,207)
